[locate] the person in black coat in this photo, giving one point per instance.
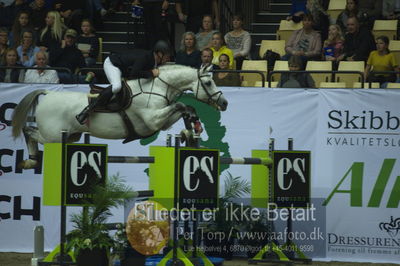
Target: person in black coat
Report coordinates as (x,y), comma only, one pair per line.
(133,64)
(67,55)
(358,42)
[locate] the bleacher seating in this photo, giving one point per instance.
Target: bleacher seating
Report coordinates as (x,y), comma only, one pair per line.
(393,85)
(367,85)
(286,29)
(278,46)
(250,79)
(386,28)
(394,47)
(333,85)
(335,8)
(279,65)
(349,79)
(320,65)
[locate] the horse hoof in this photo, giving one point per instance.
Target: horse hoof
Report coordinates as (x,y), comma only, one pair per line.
(27,164)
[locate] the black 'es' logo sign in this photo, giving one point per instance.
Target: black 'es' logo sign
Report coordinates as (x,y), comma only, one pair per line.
(198,178)
(291,178)
(86,166)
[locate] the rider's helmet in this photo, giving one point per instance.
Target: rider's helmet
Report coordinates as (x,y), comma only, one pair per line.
(162,47)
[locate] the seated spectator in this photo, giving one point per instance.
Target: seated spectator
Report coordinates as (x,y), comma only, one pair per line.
(11,75)
(41,75)
(333,46)
(188,54)
(370,11)
(52,35)
(192,12)
(88,43)
(68,56)
(298,10)
(390,9)
(8,13)
(22,23)
(358,42)
(381,60)
(71,11)
(94,8)
(204,37)
(305,42)
(27,50)
(38,13)
(226,79)
(350,11)
(320,18)
(207,58)
(239,41)
(296,80)
(3,44)
(219,48)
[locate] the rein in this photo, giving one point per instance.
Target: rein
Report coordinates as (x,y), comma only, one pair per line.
(209,95)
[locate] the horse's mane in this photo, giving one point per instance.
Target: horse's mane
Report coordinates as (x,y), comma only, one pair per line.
(177,72)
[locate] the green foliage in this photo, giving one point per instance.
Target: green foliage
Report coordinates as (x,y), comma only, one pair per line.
(235,187)
(224,221)
(211,119)
(90,229)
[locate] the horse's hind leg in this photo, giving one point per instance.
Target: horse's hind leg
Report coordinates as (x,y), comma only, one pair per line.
(31,137)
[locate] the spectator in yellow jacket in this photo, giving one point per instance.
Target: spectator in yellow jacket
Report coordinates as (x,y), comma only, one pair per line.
(218,47)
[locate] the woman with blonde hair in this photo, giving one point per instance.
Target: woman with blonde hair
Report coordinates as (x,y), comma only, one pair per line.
(333,46)
(188,54)
(52,34)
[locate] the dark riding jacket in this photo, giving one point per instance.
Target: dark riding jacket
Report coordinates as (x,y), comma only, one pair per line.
(136,63)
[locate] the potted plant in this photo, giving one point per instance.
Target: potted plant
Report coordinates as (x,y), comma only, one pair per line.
(223,225)
(255,237)
(90,239)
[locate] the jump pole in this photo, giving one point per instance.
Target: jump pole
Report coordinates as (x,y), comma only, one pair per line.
(223,160)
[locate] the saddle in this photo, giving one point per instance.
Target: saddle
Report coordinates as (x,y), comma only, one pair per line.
(118,104)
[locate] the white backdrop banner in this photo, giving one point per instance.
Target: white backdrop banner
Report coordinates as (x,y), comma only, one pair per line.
(353,136)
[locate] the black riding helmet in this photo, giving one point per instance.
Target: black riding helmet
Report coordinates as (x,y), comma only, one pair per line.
(162,47)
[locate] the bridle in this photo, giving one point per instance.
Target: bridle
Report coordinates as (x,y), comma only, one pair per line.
(209,95)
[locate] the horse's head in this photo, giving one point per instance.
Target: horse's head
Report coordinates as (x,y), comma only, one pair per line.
(206,90)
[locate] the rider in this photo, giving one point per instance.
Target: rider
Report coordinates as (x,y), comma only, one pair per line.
(137,63)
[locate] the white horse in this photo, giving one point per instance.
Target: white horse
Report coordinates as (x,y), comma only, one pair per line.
(153,108)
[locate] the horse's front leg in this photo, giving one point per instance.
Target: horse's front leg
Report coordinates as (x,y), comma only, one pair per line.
(158,119)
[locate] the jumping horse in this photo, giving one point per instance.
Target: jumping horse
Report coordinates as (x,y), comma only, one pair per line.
(153,107)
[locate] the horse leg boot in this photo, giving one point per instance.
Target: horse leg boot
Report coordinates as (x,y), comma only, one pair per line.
(31,142)
(103,98)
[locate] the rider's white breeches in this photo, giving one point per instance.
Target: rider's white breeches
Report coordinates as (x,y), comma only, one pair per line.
(113,75)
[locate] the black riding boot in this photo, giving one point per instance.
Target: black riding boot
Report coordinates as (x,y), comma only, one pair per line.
(102,99)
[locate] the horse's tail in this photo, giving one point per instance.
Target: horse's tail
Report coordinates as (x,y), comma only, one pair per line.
(21,111)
